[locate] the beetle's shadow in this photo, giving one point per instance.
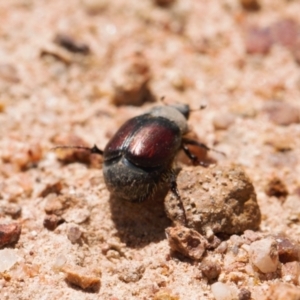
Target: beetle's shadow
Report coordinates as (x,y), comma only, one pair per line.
(139,224)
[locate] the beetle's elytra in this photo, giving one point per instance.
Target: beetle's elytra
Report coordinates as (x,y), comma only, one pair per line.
(139,157)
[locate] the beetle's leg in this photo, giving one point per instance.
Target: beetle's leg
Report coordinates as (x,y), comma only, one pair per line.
(174,190)
(96,150)
(93,150)
(192,156)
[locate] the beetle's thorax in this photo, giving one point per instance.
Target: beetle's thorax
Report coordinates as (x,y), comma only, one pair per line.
(171,114)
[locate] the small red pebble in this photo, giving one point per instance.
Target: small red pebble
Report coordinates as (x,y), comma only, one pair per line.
(9,233)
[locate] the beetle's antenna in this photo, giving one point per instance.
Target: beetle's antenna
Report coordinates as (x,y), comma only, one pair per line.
(186,141)
(93,150)
(162,99)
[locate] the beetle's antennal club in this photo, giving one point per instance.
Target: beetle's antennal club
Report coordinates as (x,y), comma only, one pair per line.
(202,106)
(93,150)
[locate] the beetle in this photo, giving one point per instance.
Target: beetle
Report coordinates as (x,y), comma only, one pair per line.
(139,157)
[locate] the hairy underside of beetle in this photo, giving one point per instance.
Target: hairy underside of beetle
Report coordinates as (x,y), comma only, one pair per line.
(137,185)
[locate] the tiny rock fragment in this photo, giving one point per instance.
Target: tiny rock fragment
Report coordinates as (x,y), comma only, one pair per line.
(165,295)
(59,263)
(282,113)
(56,204)
(131,271)
(276,188)
(77,215)
(264,255)
(60,54)
(82,277)
(164,3)
(51,188)
(213,243)
(8,257)
(59,204)
(219,199)
(11,209)
(281,142)
(9,233)
(52,221)
(251,5)
(258,40)
(210,269)
(186,241)
(22,155)
(130,81)
(9,73)
(251,236)
(222,248)
(72,45)
(223,121)
(283,291)
(285,32)
(30,270)
(221,291)
(95,6)
(288,250)
(244,294)
(290,272)
(74,234)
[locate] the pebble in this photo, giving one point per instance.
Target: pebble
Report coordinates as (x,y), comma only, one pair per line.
(9,233)
(51,188)
(11,209)
(95,6)
(165,295)
(258,40)
(275,187)
(264,255)
(218,199)
(9,73)
(285,32)
(77,215)
(186,241)
(74,234)
(251,236)
(69,43)
(288,251)
(130,79)
(70,207)
(222,248)
(164,3)
(210,269)
(131,271)
(283,291)
(223,121)
(244,294)
(8,258)
(250,5)
(221,291)
(82,277)
(290,272)
(282,113)
(52,221)
(57,205)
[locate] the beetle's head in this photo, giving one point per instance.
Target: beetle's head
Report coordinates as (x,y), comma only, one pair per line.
(184,109)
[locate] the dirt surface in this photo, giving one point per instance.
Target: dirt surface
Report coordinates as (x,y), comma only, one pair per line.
(71,72)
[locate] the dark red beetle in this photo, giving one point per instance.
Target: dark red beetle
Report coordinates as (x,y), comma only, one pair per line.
(139,157)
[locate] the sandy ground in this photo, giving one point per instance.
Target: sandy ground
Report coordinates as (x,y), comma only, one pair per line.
(194,52)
